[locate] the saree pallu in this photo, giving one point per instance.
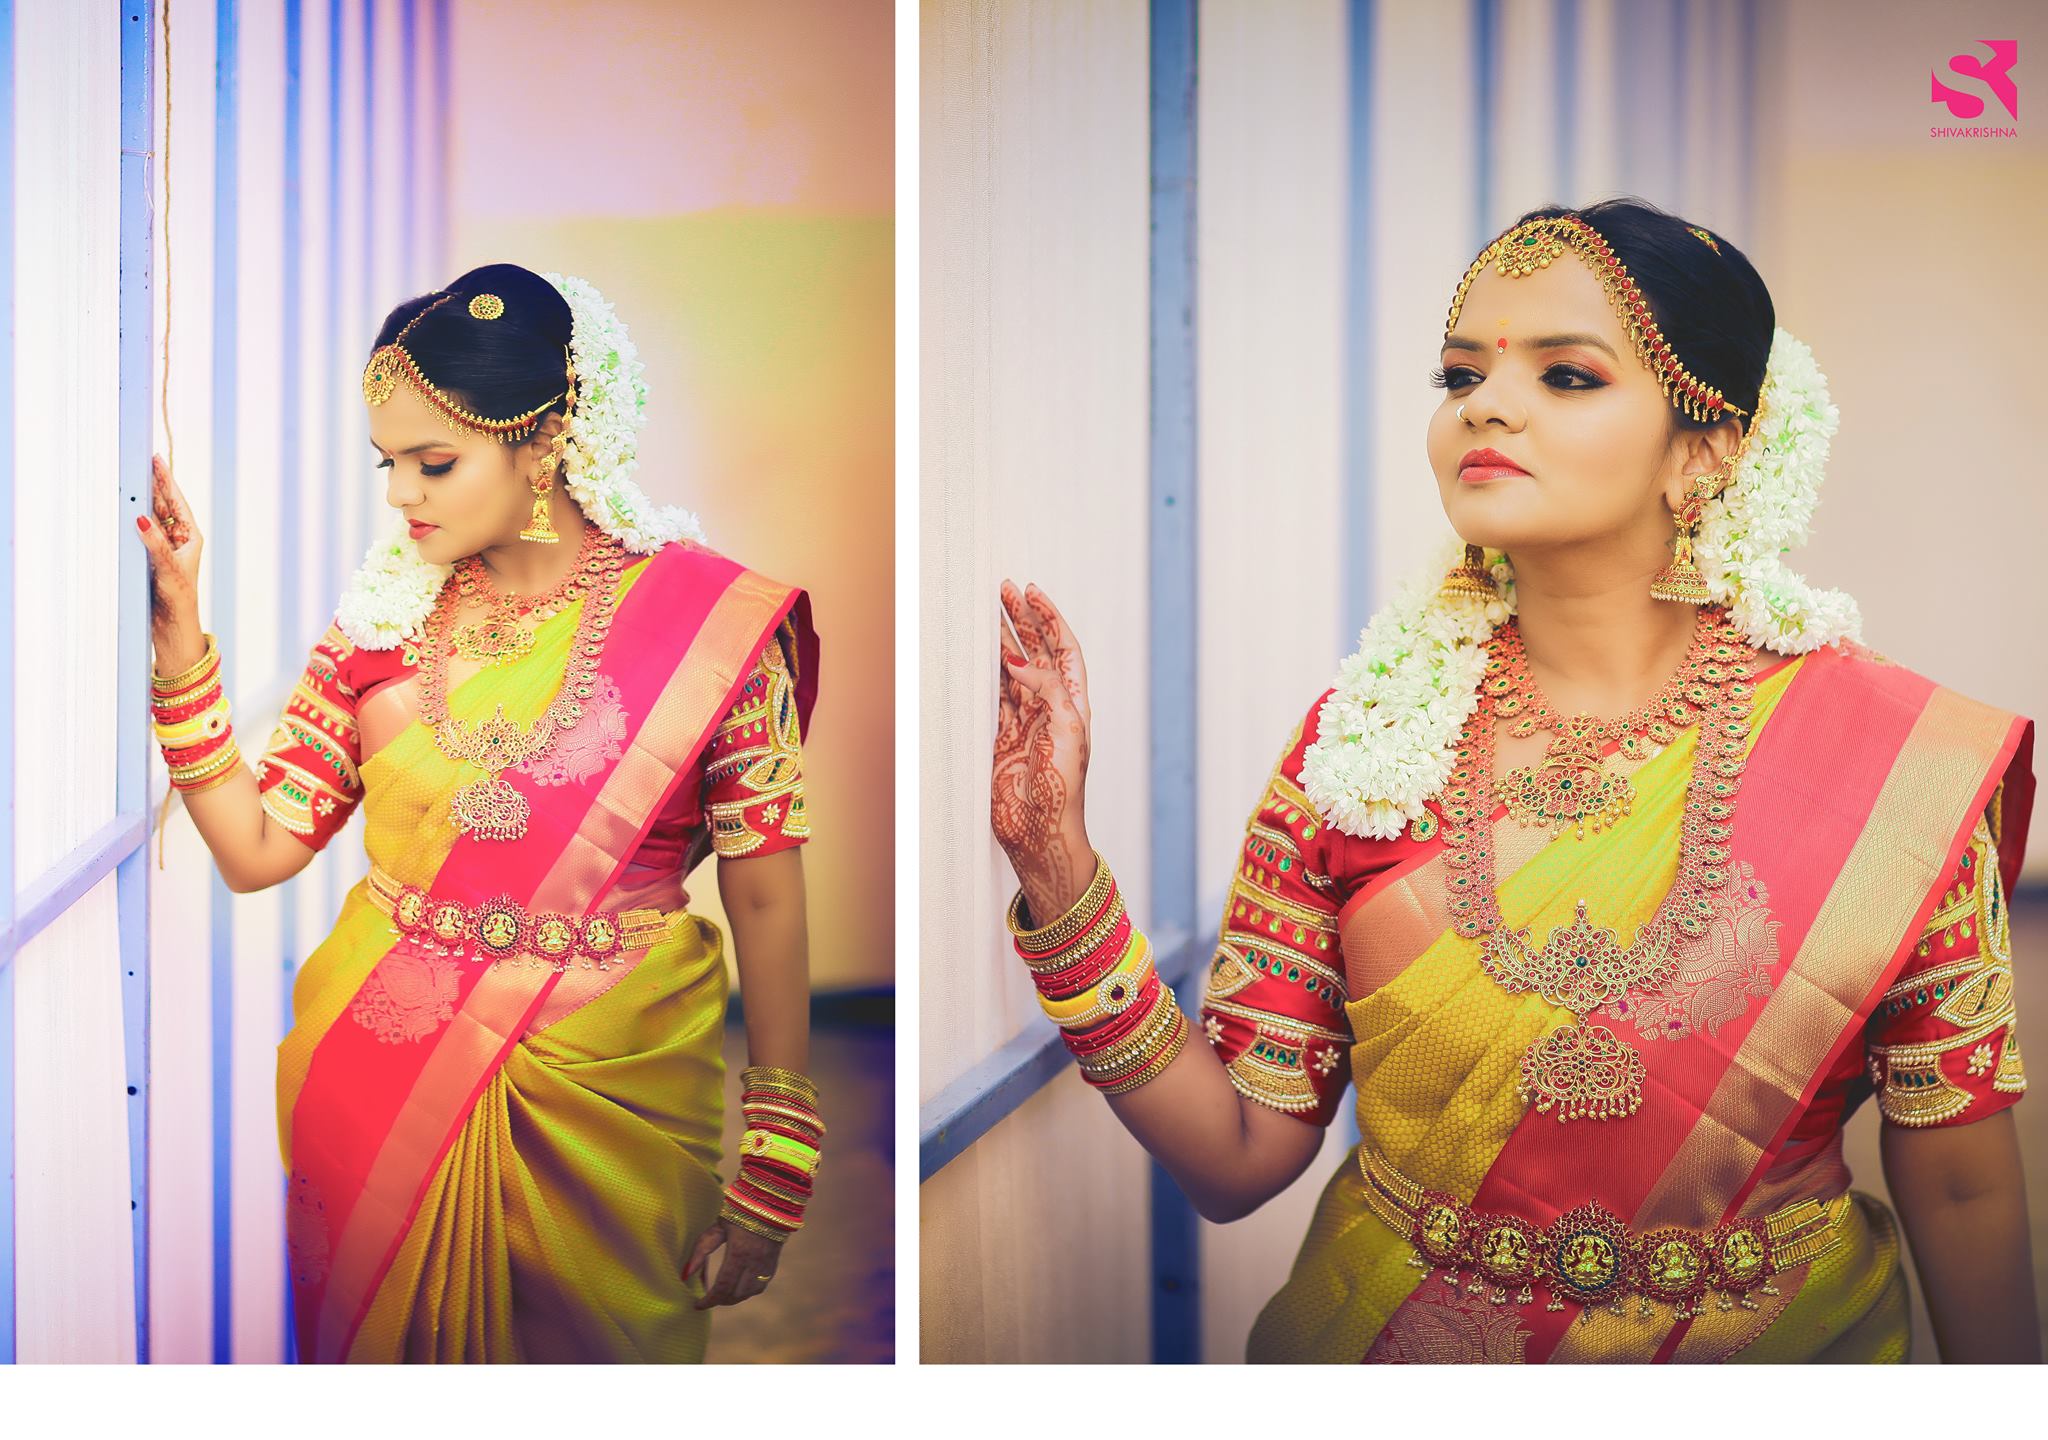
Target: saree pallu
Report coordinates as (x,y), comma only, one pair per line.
(506,1162)
(1862,785)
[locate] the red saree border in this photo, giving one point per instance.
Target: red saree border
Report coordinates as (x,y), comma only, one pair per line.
(418,1098)
(1798,822)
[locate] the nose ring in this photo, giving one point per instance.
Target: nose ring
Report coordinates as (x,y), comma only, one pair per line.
(1461,412)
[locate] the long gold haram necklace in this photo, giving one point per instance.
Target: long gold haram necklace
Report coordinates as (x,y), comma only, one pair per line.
(1581,1070)
(500,638)
(491,809)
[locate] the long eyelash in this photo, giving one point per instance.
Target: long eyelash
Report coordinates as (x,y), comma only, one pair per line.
(1440,378)
(424,469)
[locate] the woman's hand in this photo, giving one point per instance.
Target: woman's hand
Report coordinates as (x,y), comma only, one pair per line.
(750,1262)
(174,544)
(1041,755)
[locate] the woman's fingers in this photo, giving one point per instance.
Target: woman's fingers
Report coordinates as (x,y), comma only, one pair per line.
(709,1241)
(721,1290)
(1065,647)
(1035,648)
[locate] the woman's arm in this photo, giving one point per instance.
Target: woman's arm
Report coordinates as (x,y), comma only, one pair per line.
(1963,1201)
(252,853)
(764,902)
(1229,1153)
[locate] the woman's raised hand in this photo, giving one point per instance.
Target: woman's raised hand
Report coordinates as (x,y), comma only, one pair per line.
(1041,755)
(173,543)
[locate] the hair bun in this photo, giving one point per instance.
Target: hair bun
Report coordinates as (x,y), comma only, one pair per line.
(526,301)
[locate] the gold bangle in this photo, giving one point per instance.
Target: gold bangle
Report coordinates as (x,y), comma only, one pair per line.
(1060,931)
(187,678)
(774,1077)
(731,1215)
(1156,1066)
(1091,940)
(805,1118)
(203,783)
(224,758)
(1150,1032)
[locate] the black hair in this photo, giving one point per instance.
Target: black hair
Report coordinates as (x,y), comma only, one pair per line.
(499,367)
(1707,299)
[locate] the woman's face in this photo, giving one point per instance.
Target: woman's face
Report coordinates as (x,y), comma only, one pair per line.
(472,489)
(1568,402)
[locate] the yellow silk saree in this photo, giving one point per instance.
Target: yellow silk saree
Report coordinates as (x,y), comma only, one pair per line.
(508,1161)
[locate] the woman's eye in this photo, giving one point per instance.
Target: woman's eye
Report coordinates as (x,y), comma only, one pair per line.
(437,469)
(1459,376)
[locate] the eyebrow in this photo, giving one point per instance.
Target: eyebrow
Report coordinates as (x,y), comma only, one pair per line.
(1538,342)
(414,450)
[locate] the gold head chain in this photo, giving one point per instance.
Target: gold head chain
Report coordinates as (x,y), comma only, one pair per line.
(392,363)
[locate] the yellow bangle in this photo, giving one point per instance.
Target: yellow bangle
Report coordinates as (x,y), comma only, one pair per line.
(181,734)
(1101,1000)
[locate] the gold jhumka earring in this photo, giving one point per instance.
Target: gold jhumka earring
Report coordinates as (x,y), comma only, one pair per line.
(1681,581)
(539,527)
(1471,577)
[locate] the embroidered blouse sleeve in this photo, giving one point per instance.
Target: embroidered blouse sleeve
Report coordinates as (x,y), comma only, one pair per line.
(753,765)
(308,778)
(1274,1007)
(1943,1044)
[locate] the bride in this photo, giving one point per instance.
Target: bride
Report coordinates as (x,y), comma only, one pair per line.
(499,1103)
(1610,874)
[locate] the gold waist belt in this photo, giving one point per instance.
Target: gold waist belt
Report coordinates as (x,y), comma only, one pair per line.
(501,929)
(1590,1256)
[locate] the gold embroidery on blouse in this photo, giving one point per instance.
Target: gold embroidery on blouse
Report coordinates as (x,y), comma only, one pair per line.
(771,768)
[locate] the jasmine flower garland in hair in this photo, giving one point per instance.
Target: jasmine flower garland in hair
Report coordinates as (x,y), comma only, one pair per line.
(1768,509)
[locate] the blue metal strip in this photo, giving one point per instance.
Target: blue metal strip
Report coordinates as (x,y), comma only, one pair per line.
(443,83)
(131,762)
(981,1099)
(1746,118)
(226,465)
(1360,372)
(64,883)
(291,469)
(1485,116)
(1565,59)
(408,149)
(8,214)
(1173,599)
(1676,88)
(330,367)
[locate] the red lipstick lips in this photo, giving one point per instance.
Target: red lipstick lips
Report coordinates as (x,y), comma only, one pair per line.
(1487,464)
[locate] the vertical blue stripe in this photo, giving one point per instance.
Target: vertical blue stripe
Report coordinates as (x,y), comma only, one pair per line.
(443,82)
(1671,182)
(408,149)
(291,470)
(1360,373)
(226,386)
(1566,86)
(1175,557)
(1485,116)
(330,369)
(1746,118)
(8,213)
(132,645)
(361,494)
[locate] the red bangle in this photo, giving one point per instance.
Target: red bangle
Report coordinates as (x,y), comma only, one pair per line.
(1166,1041)
(1039,959)
(1088,971)
(184,756)
(171,714)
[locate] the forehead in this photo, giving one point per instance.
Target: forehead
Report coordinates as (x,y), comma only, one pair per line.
(1564,295)
(406,423)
